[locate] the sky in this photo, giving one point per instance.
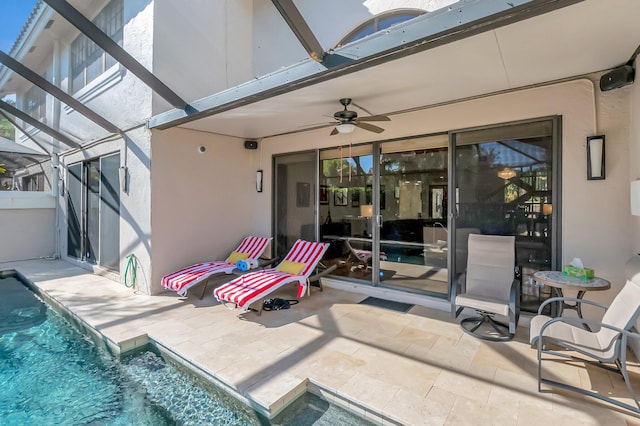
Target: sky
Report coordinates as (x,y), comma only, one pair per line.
(14,14)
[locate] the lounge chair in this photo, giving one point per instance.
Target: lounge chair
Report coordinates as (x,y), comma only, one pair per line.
(182,280)
(296,267)
(605,348)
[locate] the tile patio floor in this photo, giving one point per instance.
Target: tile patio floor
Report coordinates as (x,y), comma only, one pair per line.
(415,368)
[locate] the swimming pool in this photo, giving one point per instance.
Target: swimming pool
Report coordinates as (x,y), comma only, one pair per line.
(51,374)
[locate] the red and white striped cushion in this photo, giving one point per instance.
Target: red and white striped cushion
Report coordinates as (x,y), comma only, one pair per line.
(180,281)
(307,252)
(248,288)
(253,246)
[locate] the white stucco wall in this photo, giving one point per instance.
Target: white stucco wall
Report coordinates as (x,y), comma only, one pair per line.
(117,95)
(596,215)
(27,222)
(201,47)
(202,204)
(275,46)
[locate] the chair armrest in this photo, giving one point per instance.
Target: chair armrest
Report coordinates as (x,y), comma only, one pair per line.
(514,295)
(322,273)
(267,262)
(573,345)
(581,321)
(569,299)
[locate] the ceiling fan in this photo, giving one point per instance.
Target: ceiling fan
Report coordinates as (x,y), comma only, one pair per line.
(347,120)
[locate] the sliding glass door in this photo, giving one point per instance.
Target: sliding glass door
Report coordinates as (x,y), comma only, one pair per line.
(413,211)
(294,199)
(93,211)
(505,185)
(347,211)
(399,213)
(383,208)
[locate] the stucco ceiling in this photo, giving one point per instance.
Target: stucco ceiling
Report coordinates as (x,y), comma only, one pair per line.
(586,37)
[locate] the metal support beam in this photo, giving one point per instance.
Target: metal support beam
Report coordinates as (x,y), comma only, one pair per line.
(13,122)
(299,26)
(423,33)
(57,92)
(89,29)
(38,125)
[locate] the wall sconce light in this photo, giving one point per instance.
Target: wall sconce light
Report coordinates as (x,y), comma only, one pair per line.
(547,209)
(635,197)
(595,158)
(259,181)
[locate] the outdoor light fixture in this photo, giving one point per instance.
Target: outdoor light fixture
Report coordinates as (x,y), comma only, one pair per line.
(122,173)
(506,173)
(595,158)
(259,181)
(635,197)
(366,210)
(345,127)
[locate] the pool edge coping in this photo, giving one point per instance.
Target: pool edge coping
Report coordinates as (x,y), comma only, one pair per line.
(131,345)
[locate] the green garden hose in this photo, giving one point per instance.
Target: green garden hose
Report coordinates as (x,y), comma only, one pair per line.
(131,265)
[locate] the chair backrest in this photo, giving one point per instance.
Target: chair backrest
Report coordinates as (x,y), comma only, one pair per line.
(490,265)
(307,252)
(253,246)
(622,313)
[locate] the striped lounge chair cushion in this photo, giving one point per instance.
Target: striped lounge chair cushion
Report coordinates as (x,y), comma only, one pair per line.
(248,288)
(180,281)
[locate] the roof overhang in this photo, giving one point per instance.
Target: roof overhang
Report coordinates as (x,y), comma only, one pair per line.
(467,50)
(15,156)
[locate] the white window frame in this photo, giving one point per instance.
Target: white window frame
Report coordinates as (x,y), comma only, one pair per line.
(84,52)
(34,102)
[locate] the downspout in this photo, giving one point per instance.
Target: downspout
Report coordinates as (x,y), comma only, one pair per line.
(55,160)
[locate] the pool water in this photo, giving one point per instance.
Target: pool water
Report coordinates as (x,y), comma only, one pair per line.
(52,374)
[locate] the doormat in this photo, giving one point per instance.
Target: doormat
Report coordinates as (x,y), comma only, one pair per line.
(386,304)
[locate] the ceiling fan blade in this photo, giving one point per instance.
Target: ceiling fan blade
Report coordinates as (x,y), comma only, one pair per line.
(370,127)
(334,132)
(374,118)
(317,125)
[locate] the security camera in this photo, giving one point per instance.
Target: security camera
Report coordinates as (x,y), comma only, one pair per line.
(201,149)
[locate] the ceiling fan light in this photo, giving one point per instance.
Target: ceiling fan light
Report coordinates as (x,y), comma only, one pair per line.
(345,127)
(506,173)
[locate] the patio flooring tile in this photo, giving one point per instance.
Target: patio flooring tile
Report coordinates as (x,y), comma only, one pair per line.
(416,368)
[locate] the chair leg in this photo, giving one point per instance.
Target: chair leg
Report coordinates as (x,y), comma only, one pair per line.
(204,289)
(623,370)
(497,332)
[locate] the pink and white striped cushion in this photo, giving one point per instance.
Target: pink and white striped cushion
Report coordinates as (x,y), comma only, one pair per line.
(180,281)
(365,255)
(248,288)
